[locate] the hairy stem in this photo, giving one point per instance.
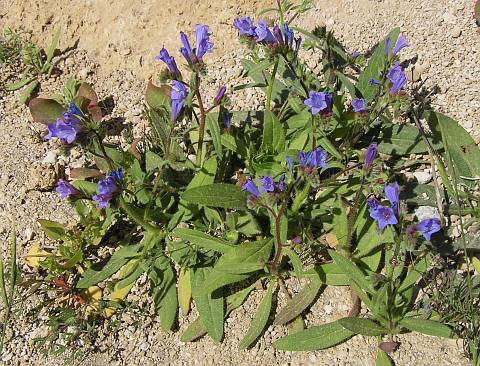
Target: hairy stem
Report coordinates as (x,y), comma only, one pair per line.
(203,116)
(135,216)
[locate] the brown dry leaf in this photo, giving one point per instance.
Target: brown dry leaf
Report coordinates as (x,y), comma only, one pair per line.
(331,240)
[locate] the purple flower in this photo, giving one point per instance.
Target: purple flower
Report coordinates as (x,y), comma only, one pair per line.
(397,77)
(400,44)
(372,204)
(102,200)
(318,101)
(288,34)
(116,174)
(65,189)
(169,61)
(186,50)
(267,184)
(251,188)
(387,45)
(244,26)
(282,185)
(262,33)
(178,95)
(52,131)
(289,163)
(428,227)
(278,35)
(359,105)
(73,109)
(298,43)
(383,215)
(319,158)
(374,82)
(392,192)
(355,54)
(227,122)
(65,128)
(202,39)
(370,155)
(220,94)
(304,158)
(107,188)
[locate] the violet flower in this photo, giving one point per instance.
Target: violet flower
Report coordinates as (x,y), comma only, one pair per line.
(245,26)
(392,192)
(359,105)
(387,46)
(313,159)
(374,82)
(107,188)
(382,214)
(318,101)
(262,33)
(202,39)
(400,44)
(370,155)
(282,185)
(65,128)
(169,61)
(251,187)
(267,184)
(397,77)
(227,122)
(65,189)
(186,50)
(73,109)
(220,94)
(178,95)
(429,227)
(288,33)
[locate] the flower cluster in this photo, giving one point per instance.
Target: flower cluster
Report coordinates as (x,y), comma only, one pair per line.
(267,185)
(67,127)
(107,188)
(202,40)
(170,62)
(65,189)
(319,102)
(283,37)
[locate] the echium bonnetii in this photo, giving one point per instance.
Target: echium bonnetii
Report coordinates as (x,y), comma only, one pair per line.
(107,188)
(66,127)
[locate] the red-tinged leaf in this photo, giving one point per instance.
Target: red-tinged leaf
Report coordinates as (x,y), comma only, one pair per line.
(83,173)
(95,111)
(45,110)
(389,347)
(157,96)
(87,92)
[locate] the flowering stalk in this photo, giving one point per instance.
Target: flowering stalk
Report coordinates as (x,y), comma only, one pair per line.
(270,86)
(201,126)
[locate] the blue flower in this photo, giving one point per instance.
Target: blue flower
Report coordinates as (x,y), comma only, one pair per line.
(65,189)
(107,188)
(313,159)
(202,39)
(397,77)
(383,215)
(65,128)
(245,26)
(282,185)
(73,109)
(169,61)
(186,50)
(289,163)
(227,122)
(289,36)
(318,101)
(178,95)
(392,192)
(298,43)
(387,46)
(251,187)
(374,82)
(102,200)
(355,54)
(278,35)
(359,105)
(370,155)
(429,227)
(220,94)
(400,44)
(262,33)
(267,184)
(116,174)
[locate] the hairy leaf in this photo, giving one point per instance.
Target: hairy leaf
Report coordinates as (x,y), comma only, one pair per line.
(45,110)
(203,240)
(362,326)
(217,195)
(426,326)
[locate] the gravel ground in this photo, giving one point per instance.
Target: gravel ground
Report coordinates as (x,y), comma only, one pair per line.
(115,52)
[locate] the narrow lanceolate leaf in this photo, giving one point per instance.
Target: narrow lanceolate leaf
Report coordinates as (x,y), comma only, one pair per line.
(96,274)
(54,230)
(425,326)
(215,134)
(245,258)
(314,338)
(210,306)
(383,359)
(28,92)
(217,195)
(354,273)
(203,240)
(260,319)
(184,290)
(299,302)
(273,133)
(217,279)
(362,326)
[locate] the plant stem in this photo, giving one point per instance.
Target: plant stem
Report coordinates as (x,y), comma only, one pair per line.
(203,115)
(270,86)
(104,152)
(138,218)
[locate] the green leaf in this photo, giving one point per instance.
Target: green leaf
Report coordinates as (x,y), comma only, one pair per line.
(87,188)
(354,273)
(245,258)
(314,338)
(404,140)
(19,84)
(45,110)
(383,359)
(210,306)
(273,133)
(217,279)
(53,46)
(184,289)
(96,273)
(296,305)
(206,175)
(164,290)
(425,326)
(362,326)
(153,161)
(260,319)
(330,274)
(54,230)
(414,274)
(203,240)
(157,97)
(214,131)
(375,67)
(217,195)
(27,93)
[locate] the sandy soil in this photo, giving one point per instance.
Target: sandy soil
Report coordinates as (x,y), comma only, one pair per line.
(115,45)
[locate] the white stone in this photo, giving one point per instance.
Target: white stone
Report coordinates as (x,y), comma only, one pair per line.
(50,158)
(426,212)
(422,177)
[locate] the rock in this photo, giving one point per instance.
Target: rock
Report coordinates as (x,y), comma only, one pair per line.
(50,158)
(426,212)
(42,178)
(456,32)
(422,177)
(28,233)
